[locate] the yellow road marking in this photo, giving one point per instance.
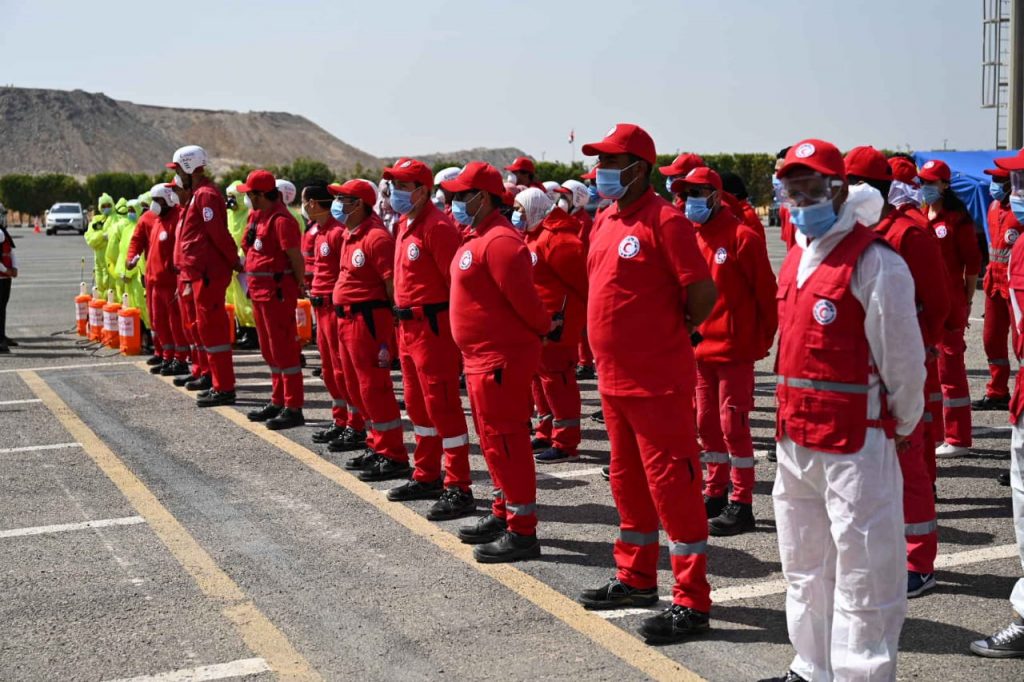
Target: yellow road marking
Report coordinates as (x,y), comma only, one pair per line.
(256,630)
(606,635)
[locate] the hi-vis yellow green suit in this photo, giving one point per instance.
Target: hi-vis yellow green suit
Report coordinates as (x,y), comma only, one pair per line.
(96,239)
(238,220)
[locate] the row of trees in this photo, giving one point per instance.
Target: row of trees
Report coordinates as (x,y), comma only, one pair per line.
(33,194)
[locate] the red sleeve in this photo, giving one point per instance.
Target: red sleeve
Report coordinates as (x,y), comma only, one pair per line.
(678,242)
(217,226)
(570,265)
(289,235)
(751,218)
(753,256)
(140,240)
(921,251)
(510,266)
(442,242)
(967,245)
(380,250)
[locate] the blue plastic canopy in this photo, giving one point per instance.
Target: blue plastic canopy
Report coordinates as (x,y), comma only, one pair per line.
(968,178)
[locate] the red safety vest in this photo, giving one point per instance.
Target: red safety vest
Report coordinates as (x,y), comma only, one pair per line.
(824,361)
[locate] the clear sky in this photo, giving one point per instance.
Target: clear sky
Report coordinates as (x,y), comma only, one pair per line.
(405,77)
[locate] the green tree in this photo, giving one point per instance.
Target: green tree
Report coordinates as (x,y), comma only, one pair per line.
(117,185)
(33,194)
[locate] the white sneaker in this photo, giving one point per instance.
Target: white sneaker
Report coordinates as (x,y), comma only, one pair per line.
(947,450)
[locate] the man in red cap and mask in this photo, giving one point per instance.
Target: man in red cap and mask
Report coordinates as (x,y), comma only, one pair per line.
(738,332)
(649,289)
(497,321)
(866,167)
(850,391)
(426,246)
(366,337)
(276,273)
(683,164)
(523,172)
(206,255)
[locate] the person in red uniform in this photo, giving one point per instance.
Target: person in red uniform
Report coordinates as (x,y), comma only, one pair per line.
(649,289)
(366,331)
(524,172)
(154,239)
(575,196)
(680,166)
(1003,230)
(735,196)
(497,321)
(952,224)
(276,275)
(560,276)
(198,375)
(426,244)
(738,332)
(208,255)
(921,251)
(787,233)
(347,430)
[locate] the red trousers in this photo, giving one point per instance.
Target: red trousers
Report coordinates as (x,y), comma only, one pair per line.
(501,409)
(430,375)
(920,523)
(368,384)
(165,314)
(656,477)
(187,306)
(214,332)
(586,355)
(557,397)
(725,397)
(998,316)
(932,417)
(344,412)
(275,326)
(956,396)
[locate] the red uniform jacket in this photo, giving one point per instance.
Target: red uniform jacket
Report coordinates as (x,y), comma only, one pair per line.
(787,232)
(586,225)
(266,263)
(741,326)
(1003,230)
(309,252)
(155,238)
(963,259)
(560,271)
(366,263)
(423,257)
(204,247)
(497,317)
(7,256)
(1016,277)
(328,244)
(744,212)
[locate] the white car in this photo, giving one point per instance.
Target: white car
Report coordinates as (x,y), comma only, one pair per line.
(65,216)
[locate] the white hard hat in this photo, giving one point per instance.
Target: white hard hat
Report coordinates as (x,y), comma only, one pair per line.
(550,188)
(446,174)
(580,193)
(189,158)
(162,191)
(287,190)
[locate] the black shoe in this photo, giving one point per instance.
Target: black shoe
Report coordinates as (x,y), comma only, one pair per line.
(598,416)
(318,372)
(485,529)
(454,503)
(736,518)
(509,547)
(585,372)
(4,348)
(176,368)
(401,405)
(618,595)
(215,398)
(713,506)
(159,368)
(329,434)
(417,490)
(384,469)
(268,411)
(203,383)
(540,444)
(772,455)
(555,455)
(203,394)
(1004,478)
(790,676)
(674,624)
(154,360)
(606,473)
(185,379)
(396,366)
(348,441)
(1007,643)
(286,419)
(991,404)
(11,342)
(360,462)
(247,339)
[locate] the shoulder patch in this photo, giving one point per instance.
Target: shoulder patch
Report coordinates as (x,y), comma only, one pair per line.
(207,214)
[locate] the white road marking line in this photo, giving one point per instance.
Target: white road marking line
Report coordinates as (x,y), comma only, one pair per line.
(31,448)
(220,671)
(55,367)
(577,473)
(60,528)
(19,402)
(976,556)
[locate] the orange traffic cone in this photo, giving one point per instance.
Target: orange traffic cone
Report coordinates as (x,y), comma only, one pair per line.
(37,229)
(110,333)
(96,316)
(230,310)
(129,328)
(304,321)
(82,311)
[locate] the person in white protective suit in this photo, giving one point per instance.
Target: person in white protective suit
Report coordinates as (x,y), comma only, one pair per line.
(850,389)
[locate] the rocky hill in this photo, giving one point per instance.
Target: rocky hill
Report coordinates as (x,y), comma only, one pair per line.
(499,157)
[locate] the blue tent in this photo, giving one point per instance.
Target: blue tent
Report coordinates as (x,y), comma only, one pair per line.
(969,180)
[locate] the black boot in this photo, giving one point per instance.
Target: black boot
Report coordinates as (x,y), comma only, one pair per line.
(485,529)
(174,369)
(674,624)
(286,419)
(417,490)
(1004,478)
(348,441)
(362,461)
(713,506)
(509,547)
(618,595)
(159,368)
(736,518)
(268,411)
(216,398)
(454,503)
(329,434)
(991,404)
(203,383)
(185,378)
(384,469)
(154,360)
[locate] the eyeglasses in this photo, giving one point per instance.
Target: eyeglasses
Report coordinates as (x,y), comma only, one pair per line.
(699,192)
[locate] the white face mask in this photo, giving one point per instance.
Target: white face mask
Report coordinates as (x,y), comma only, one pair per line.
(564,205)
(155,208)
(304,213)
(248,204)
(867,203)
(901,193)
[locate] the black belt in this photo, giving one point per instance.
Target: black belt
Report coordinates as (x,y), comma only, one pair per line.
(316,301)
(365,309)
(429,310)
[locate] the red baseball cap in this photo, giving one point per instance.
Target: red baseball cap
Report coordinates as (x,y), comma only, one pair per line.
(258,181)
(360,189)
(997,173)
(867,162)
(903,170)
(702,175)
(523,164)
(480,176)
(624,138)
(935,170)
(1012,163)
(410,170)
(589,175)
(818,155)
(683,164)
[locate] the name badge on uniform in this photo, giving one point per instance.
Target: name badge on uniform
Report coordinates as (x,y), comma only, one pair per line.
(629,247)
(162,236)
(413,251)
(325,250)
(941,231)
(358,258)
(258,244)
(466,260)
(824,312)
(721,255)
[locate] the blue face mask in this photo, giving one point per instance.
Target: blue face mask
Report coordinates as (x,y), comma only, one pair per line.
(401,201)
(1017,206)
(106,211)
(930,194)
(698,209)
(518,220)
(338,211)
(132,216)
(594,196)
(813,221)
(609,182)
(460,213)
(997,190)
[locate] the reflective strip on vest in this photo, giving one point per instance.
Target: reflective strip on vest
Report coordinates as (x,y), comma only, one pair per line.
(957,402)
(923,528)
(226,348)
(297,369)
(455,441)
(999,256)
(353,409)
(815,385)
(742,462)
(338,402)
(387,426)
(1001,362)
(632,537)
(527,509)
(424,431)
(687,548)
(715,458)
(934,397)
(566,423)
(267,274)
(274,370)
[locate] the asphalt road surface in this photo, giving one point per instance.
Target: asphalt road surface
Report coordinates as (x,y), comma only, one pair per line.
(143,538)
